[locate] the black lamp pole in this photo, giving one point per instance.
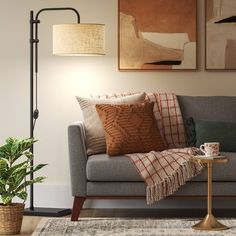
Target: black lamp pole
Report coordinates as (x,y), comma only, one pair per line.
(34,112)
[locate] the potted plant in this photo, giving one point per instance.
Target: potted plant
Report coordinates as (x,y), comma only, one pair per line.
(15,166)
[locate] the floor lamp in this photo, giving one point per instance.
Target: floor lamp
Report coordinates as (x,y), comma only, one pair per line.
(68,40)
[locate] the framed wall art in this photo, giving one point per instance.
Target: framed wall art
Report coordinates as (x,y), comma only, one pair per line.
(157,35)
(220,34)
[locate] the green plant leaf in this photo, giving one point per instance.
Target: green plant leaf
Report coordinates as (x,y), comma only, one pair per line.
(3,169)
(29,182)
(10,140)
(13,175)
(16,177)
(29,155)
(2,189)
(7,198)
(36,168)
(2,181)
(19,146)
(22,195)
(18,166)
(5,152)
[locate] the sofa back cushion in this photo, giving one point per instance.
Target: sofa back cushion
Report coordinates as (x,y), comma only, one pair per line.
(218,108)
(216,131)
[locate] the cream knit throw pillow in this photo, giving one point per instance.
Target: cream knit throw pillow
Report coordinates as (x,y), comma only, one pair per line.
(95,137)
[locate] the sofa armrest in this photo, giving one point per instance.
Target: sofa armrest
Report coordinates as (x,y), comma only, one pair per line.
(78,159)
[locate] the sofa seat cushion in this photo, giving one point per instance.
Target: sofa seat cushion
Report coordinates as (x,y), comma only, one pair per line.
(101,167)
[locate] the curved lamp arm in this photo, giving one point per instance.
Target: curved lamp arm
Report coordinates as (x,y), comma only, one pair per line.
(58,9)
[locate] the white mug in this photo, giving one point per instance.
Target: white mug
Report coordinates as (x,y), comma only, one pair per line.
(210,149)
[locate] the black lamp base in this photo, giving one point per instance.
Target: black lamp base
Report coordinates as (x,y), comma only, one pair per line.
(49,212)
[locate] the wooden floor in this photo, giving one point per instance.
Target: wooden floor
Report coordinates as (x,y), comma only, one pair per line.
(30,222)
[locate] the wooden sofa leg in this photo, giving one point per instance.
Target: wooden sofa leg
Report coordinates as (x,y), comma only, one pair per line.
(77,207)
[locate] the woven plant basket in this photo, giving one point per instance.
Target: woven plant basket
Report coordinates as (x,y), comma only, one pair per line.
(11,218)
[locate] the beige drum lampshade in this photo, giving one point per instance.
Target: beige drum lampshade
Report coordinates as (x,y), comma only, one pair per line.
(78,39)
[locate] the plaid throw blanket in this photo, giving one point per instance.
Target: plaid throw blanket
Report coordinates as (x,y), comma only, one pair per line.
(164,172)
(169,118)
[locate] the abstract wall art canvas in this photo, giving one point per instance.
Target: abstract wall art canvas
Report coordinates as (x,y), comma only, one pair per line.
(220,34)
(157,35)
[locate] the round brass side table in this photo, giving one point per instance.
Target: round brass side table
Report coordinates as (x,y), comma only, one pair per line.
(210,222)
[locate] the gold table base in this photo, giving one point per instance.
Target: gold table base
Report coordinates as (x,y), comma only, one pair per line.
(210,223)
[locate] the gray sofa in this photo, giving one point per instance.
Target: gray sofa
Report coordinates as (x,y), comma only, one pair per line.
(101,177)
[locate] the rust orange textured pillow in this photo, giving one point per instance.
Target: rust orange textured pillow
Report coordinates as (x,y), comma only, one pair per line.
(130,128)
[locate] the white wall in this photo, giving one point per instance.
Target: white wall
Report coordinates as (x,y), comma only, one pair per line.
(60,79)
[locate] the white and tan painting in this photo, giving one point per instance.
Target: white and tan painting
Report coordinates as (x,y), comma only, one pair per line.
(157,34)
(221,34)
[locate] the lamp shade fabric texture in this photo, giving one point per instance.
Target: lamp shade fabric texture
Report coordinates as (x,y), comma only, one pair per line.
(130,128)
(78,39)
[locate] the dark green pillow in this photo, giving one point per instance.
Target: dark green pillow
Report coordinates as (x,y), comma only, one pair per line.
(190,132)
(216,131)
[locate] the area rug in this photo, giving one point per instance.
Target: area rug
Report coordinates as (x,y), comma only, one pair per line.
(126,227)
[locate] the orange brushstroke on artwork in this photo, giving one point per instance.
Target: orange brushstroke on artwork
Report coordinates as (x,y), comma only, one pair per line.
(172,16)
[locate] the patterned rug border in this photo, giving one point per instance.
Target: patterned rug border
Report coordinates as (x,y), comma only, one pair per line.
(171,227)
